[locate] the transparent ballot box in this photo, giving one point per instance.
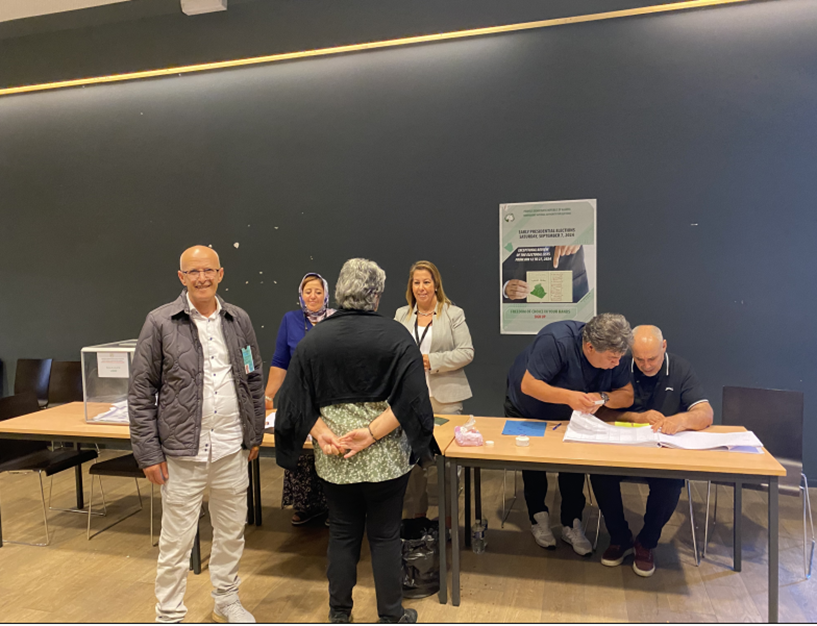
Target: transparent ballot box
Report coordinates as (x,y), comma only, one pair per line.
(105,374)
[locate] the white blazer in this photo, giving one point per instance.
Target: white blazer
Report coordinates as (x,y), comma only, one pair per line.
(451,350)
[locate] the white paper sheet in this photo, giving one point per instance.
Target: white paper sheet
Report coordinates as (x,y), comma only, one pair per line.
(586,428)
(112,364)
(117,414)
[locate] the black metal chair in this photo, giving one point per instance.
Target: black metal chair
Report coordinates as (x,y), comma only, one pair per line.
(776,417)
(122,467)
(35,456)
(65,384)
(33,375)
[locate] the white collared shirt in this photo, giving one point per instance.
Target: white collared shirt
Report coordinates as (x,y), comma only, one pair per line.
(221,433)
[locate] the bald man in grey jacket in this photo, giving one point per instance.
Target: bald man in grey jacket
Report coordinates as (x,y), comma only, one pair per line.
(196,407)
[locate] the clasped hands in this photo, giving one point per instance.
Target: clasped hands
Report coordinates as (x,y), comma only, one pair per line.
(346,446)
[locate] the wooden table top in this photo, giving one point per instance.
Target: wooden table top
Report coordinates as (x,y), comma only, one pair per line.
(68,421)
(553,449)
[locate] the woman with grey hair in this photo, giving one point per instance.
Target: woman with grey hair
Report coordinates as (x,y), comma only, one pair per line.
(356,384)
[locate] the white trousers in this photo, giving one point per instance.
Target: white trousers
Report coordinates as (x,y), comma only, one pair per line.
(182,495)
(415,503)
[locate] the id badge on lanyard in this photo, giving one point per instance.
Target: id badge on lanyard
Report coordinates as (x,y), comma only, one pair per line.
(416,331)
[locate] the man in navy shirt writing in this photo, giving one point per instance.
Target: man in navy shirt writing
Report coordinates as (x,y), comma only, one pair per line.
(570,366)
(669,397)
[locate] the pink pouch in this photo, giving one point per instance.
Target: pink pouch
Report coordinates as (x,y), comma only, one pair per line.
(467,434)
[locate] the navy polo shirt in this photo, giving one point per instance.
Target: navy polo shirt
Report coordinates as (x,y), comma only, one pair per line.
(556,357)
(674,389)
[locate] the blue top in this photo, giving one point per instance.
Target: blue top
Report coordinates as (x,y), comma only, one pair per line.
(556,357)
(293,328)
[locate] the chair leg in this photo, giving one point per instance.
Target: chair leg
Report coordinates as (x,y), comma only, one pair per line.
(692,525)
(807,506)
(45,515)
(138,493)
(714,515)
(45,512)
(706,517)
(102,492)
(91,507)
(506,513)
(81,511)
(598,516)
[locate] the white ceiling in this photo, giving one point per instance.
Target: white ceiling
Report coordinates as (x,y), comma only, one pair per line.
(18,9)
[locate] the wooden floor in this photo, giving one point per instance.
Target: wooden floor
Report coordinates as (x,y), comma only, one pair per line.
(110,578)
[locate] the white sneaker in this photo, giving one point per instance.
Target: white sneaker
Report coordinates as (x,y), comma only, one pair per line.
(541,530)
(575,537)
(232,613)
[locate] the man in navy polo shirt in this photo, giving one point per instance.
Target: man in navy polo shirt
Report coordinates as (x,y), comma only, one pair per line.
(669,397)
(569,366)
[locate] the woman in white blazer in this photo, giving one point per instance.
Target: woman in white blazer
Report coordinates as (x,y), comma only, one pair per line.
(440,331)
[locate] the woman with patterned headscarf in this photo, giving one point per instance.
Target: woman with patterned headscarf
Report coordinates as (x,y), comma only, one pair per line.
(302,488)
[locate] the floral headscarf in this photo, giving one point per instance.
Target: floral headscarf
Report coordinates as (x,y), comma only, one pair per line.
(324,312)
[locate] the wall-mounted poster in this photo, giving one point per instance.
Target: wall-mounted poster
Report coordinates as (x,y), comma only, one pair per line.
(547,264)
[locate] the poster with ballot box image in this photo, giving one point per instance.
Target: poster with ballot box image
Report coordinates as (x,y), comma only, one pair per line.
(547,257)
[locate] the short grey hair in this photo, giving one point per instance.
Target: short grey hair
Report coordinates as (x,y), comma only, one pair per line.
(360,285)
(608,332)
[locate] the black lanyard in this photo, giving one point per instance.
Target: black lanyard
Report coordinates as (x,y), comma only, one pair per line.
(417,334)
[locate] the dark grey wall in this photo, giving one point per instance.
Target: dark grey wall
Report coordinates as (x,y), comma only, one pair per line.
(150,34)
(696,133)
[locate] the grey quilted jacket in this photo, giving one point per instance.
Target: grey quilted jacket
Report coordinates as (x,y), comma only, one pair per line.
(169,361)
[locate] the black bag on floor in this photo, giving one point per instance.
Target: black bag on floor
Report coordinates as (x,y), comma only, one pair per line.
(421,560)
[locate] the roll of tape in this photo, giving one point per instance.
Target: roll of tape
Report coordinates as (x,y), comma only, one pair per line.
(522,441)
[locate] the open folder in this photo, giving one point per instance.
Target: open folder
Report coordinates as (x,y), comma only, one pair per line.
(586,428)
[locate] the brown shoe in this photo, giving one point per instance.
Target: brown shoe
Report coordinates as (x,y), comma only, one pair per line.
(643,563)
(614,555)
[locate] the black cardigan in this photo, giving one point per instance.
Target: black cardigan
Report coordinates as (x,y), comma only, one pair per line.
(354,356)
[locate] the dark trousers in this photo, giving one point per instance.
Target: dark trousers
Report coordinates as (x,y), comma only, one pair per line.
(571,486)
(377,508)
(661,503)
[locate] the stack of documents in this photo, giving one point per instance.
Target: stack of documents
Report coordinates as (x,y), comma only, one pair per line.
(586,428)
(118,414)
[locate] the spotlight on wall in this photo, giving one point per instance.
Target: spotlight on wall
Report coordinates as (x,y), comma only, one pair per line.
(197,7)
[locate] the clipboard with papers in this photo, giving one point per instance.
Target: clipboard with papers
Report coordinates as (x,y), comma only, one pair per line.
(586,428)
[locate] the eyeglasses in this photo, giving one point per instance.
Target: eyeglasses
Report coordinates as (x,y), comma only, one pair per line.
(194,274)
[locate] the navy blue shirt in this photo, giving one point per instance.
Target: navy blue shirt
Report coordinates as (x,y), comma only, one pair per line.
(293,328)
(674,389)
(556,357)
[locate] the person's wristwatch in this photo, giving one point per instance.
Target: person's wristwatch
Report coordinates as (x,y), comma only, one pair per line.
(604,396)
(267,398)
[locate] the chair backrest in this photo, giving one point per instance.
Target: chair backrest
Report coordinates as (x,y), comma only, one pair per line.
(66,382)
(774,415)
(33,375)
(15,406)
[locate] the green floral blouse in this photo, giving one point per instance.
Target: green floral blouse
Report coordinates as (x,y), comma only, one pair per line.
(386,459)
